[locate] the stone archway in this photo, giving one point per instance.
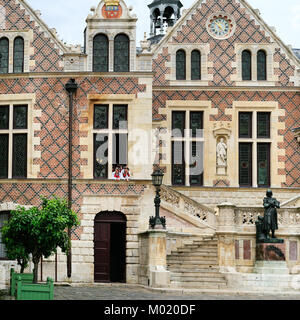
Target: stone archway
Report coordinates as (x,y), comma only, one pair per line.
(110,247)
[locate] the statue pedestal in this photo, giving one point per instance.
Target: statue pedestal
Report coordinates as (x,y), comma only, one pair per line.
(270,257)
(271,267)
(270,250)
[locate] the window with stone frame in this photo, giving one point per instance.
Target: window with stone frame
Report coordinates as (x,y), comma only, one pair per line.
(254,141)
(246,65)
(100,53)
(121,53)
(4,55)
(4,216)
(18,55)
(196,65)
(110,138)
(187,146)
(13,139)
(180,65)
(261,65)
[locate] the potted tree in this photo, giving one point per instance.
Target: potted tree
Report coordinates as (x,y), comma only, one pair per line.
(14,236)
(39,232)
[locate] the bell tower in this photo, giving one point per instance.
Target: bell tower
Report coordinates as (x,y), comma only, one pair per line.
(163,14)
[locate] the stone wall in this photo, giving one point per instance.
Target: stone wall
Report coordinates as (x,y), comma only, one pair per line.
(212,197)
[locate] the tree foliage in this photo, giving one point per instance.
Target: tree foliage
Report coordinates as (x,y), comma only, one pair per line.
(39,232)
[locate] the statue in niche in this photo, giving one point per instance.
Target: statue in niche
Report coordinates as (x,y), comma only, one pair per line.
(221,153)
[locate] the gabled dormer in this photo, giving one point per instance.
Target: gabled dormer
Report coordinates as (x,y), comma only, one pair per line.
(110,38)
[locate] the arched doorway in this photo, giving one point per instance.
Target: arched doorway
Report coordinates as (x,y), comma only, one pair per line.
(110,247)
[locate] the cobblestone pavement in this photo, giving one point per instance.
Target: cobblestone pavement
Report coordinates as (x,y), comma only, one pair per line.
(121,292)
(117,292)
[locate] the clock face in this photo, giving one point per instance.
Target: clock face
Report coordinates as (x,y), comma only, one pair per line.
(220,26)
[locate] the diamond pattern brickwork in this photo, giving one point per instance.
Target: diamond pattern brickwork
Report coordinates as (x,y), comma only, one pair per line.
(222,52)
(46,55)
(52,100)
(223,100)
(23,193)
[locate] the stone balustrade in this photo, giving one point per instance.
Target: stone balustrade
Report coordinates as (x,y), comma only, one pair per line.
(236,231)
(187,208)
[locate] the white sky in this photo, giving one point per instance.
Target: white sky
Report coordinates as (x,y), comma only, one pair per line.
(68,17)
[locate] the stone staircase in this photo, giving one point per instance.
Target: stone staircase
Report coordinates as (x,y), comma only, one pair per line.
(195,265)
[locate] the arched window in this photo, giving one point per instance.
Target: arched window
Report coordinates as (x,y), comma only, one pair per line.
(261,65)
(121,53)
(4,49)
(180,65)
(196,65)
(18,55)
(100,53)
(246,65)
(4,216)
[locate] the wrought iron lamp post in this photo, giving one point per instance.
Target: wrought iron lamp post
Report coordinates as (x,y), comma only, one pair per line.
(71,87)
(157,222)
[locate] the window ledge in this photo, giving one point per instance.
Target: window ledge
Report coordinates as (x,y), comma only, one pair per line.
(189,83)
(255,83)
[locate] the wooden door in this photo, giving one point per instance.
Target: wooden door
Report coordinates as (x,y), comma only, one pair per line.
(102,252)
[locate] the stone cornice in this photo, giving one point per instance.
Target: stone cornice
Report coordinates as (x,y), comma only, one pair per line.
(222,88)
(135,74)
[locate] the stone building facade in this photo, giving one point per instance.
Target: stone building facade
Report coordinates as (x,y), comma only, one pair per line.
(219,68)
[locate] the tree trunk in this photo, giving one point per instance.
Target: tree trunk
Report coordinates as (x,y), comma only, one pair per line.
(35,272)
(35,261)
(22,264)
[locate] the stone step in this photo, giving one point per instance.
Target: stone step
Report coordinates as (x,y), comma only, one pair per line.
(212,270)
(190,246)
(193,261)
(207,260)
(186,250)
(205,241)
(206,247)
(198,285)
(194,265)
(197,277)
(194,254)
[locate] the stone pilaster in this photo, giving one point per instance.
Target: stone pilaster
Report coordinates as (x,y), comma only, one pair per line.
(226,237)
(159,277)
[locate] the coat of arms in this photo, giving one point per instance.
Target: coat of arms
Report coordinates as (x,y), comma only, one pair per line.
(112,9)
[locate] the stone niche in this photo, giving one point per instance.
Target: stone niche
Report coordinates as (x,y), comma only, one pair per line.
(222,132)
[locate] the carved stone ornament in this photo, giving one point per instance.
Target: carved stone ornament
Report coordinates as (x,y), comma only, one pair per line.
(222,128)
(169,197)
(226,240)
(194,211)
